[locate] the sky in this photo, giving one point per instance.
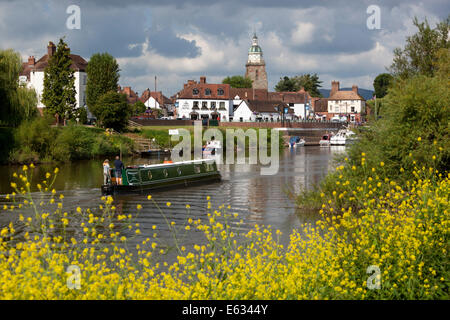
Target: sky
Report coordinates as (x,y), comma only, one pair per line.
(180,40)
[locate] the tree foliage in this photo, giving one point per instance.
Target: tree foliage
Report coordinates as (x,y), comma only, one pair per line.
(420,53)
(59,95)
(102,77)
(17,103)
(310,82)
(238,82)
(286,84)
(381,84)
(113,111)
(139,107)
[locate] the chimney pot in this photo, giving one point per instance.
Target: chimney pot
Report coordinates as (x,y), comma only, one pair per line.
(355,88)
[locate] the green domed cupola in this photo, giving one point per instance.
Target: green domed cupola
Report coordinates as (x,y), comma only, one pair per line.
(255,52)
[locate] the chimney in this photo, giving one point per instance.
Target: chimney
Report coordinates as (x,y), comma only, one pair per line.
(51,48)
(203,79)
(334,87)
(31,61)
(127,91)
(355,88)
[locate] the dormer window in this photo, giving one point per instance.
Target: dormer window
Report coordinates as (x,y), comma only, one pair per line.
(207,92)
(195,91)
(220,92)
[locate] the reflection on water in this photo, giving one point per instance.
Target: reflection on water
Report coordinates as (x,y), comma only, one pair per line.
(256,198)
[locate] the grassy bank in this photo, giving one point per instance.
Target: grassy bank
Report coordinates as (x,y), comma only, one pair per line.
(336,259)
(36,141)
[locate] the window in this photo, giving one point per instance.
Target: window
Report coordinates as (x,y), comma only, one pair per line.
(220,92)
(256,74)
(195,91)
(84,79)
(207,92)
(241,119)
(336,108)
(352,109)
(222,105)
(204,105)
(195,105)
(213,105)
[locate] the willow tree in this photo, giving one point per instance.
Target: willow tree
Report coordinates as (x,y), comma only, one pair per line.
(59,95)
(17,103)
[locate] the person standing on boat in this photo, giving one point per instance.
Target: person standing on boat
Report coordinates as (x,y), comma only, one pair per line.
(118,172)
(106,172)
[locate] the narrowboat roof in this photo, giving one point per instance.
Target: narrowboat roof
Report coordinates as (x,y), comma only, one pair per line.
(172,164)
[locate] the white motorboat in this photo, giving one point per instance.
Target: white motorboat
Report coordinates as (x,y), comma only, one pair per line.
(343,137)
(212,148)
(300,143)
(296,141)
(325,141)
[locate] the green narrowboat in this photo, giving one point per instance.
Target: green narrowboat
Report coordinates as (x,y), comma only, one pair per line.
(141,178)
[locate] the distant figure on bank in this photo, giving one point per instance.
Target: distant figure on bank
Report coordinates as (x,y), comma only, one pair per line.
(118,166)
(106,172)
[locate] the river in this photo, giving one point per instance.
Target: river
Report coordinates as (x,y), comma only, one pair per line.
(257,199)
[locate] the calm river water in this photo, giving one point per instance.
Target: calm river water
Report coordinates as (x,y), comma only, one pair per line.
(258,199)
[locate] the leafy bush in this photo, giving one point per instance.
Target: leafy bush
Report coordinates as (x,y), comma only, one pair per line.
(413,130)
(34,138)
(37,140)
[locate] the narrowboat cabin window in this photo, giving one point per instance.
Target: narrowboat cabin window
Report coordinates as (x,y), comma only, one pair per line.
(179,171)
(166,174)
(149,175)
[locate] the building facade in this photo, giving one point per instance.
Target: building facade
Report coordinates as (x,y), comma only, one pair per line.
(256,67)
(201,100)
(343,103)
(32,75)
(262,111)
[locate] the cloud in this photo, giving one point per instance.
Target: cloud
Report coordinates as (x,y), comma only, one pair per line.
(303,33)
(181,40)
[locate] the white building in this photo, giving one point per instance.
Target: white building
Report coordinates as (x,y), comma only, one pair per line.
(155,100)
(201,100)
(262,111)
(33,75)
(343,103)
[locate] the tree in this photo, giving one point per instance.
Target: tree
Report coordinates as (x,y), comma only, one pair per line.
(59,84)
(102,77)
(381,84)
(310,82)
(139,107)
(17,103)
(286,84)
(420,52)
(238,82)
(113,111)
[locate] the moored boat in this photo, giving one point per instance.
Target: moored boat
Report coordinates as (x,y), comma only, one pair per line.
(343,137)
(325,141)
(142,178)
(296,141)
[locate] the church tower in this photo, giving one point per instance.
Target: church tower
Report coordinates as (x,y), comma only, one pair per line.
(256,67)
